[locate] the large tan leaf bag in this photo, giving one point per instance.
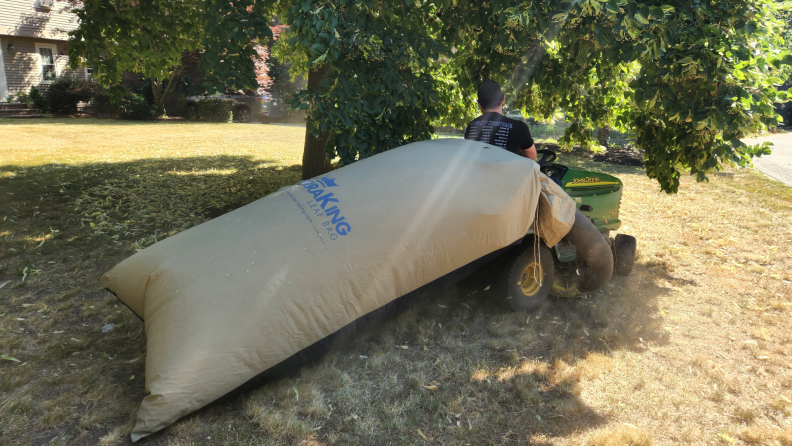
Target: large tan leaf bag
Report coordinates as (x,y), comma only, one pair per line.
(231,299)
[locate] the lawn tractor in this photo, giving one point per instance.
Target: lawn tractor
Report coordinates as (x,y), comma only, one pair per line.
(584,261)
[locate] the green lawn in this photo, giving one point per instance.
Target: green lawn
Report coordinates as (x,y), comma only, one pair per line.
(692,348)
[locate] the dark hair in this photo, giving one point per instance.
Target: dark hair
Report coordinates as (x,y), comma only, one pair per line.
(489,94)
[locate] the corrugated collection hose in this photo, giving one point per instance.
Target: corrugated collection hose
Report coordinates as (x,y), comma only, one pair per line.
(594,255)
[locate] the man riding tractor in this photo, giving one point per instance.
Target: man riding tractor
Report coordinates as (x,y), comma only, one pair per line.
(584,260)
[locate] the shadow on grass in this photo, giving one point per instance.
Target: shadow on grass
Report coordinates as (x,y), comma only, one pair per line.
(474,371)
(61,228)
(80,121)
(134,200)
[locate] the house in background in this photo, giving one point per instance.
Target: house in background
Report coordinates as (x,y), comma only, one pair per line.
(33,35)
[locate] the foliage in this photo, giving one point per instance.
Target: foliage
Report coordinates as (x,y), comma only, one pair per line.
(379,92)
(231,32)
(177,105)
(66,91)
(105,103)
(211,110)
(38,100)
(687,78)
(785,16)
(133,107)
(24,98)
(264,62)
(146,37)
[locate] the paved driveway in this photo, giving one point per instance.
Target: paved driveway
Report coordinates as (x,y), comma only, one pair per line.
(779,164)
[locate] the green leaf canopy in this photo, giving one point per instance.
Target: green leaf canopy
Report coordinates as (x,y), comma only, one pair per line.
(687,78)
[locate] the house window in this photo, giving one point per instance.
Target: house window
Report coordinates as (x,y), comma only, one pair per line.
(47,61)
(88,73)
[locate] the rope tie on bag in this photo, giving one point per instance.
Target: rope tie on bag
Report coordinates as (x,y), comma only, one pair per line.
(536,251)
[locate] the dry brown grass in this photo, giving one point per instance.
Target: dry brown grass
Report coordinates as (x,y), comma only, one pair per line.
(692,348)
(620,436)
(766,435)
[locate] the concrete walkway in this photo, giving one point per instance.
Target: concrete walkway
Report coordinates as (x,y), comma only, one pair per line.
(778,165)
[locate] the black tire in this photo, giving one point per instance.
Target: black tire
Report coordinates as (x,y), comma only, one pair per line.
(525,293)
(624,247)
(242,115)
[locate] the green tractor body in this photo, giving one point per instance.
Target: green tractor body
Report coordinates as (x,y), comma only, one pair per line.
(559,271)
(597,195)
(599,191)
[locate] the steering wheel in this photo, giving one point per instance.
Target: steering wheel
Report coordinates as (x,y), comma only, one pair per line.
(545,157)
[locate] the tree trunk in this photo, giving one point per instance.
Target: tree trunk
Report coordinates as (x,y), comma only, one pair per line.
(315,159)
(156,92)
(602,136)
(161,96)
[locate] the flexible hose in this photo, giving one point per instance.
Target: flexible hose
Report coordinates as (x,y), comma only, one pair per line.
(594,256)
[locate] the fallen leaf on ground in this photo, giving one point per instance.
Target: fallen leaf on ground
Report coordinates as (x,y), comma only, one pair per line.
(764,334)
(9,358)
(727,438)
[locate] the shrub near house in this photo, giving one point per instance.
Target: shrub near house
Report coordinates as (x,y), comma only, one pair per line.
(66,91)
(133,107)
(38,100)
(211,110)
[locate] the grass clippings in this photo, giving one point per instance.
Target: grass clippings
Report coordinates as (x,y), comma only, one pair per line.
(620,436)
(692,348)
(766,435)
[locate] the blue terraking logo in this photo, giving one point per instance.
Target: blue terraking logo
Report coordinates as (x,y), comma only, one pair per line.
(321,206)
(326,182)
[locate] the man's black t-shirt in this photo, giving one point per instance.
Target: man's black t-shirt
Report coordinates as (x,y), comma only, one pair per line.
(498,130)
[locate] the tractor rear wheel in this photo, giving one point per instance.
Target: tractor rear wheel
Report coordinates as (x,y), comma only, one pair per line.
(530,277)
(624,247)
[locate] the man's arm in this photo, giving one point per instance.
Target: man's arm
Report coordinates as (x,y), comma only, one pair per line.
(530,152)
(527,141)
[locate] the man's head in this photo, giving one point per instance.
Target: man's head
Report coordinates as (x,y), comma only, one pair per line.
(490,95)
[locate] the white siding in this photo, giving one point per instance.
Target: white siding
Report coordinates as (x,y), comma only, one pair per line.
(24,70)
(25,19)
